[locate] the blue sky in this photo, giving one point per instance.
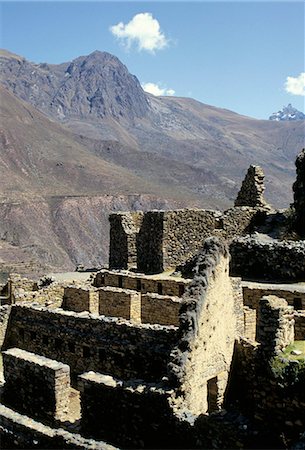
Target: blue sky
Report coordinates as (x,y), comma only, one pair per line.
(235,55)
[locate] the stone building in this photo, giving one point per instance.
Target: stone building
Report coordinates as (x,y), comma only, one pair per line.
(160,349)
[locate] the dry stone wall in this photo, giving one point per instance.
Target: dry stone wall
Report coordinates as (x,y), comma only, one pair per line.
(124,228)
(253,294)
(275,405)
(81,299)
(35,385)
(118,302)
(141,283)
(20,431)
(275,329)
(268,260)
(88,342)
(128,414)
(299,325)
(160,309)
(299,194)
(165,239)
(252,189)
(201,361)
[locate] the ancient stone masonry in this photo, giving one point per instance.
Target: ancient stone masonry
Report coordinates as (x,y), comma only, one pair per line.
(81,299)
(207,332)
(117,302)
(163,240)
(252,189)
(36,385)
(299,194)
(124,228)
(268,260)
(276,326)
(89,342)
(169,347)
(293,294)
(20,431)
(299,327)
(148,413)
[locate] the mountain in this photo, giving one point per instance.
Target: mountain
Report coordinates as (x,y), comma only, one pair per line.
(55,195)
(288,113)
(82,138)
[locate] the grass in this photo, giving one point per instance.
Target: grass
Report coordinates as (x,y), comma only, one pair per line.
(296,345)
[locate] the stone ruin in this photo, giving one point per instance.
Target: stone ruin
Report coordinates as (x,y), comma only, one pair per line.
(252,189)
(299,194)
(161,348)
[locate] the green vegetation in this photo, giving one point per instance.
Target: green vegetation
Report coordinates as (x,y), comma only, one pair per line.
(288,368)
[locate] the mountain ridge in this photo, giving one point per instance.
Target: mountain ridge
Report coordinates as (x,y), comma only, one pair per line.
(95,133)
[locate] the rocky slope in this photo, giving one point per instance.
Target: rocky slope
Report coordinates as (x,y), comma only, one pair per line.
(96,97)
(82,138)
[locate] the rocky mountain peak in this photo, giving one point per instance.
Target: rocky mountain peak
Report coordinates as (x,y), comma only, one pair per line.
(287,113)
(94,86)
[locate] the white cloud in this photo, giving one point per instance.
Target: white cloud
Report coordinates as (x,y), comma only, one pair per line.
(142,30)
(154,89)
(296,85)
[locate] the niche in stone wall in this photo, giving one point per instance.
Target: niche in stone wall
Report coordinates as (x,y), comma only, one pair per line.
(297,303)
(212,394)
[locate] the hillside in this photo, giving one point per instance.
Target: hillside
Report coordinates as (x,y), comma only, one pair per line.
(82,138)
(97,97)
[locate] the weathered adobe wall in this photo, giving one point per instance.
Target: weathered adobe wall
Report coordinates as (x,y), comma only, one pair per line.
(274,405)
(19,431)
(275,260)
(141,283)
(252,296)
(275,329)
(118,302)
(130,415)
(87,342)
(160,309)
(124,228)
(35,385)
(207,332)
(165,239)
(81,299)
(299,325)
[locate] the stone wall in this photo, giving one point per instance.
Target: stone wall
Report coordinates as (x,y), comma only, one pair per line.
(275,330)
(89,342)
(35,385)
(299,194)
(165,239)
(201,362)
(299,325)
(250,323)
(118,302)
(137,282)
(81,299)
(5,311)
(130,415)
(160,309)
(268,260)
(252,189)
(20,431)
(253,294)
(124,228)
(274,404)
